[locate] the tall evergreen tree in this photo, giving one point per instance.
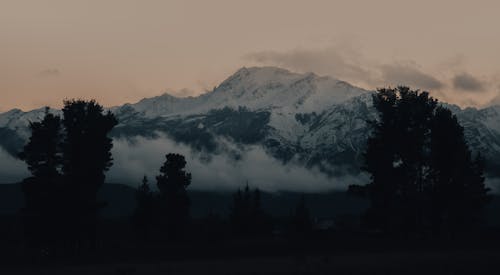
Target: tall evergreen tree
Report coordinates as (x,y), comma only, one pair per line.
(413,155)
(172,182)
(260,224)
(457,190)
(396,158)
(238,213)
(143,215)
(42,153)
(86,157)
(67,159)
(42,191)
(248,219)
(301,219)
(87,147)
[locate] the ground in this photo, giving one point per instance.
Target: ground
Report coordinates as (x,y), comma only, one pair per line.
(394,262)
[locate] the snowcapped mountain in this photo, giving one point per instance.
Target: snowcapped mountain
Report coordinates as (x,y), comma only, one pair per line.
(258,88)
(314,120)
(302,116)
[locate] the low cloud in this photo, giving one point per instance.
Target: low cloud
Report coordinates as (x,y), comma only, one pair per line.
(143,156)
(493,184)
(226,170)
(11,168)
(222,171)
(467,82)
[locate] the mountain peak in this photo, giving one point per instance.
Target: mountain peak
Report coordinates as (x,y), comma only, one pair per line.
(259,75)
(269,70)
(257,88)
(252,78)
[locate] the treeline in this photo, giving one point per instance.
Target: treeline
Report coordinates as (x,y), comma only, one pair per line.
(425,181)
(167,211)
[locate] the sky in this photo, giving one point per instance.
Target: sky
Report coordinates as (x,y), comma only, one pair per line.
(118,51)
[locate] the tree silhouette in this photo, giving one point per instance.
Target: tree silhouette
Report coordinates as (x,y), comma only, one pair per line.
(174,201)
(248,219)
(42,191)
(42,152)
(67,159)
(86,157)
(395,157)
(457,190)
(301,220)
(261,224)
(87,147)
(143,215)
(239,213)
(419,164)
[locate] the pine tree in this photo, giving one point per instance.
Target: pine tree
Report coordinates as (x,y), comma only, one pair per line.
(172,183)
(301,220)
(396,158)
(143,215)
(421,167)
(87,147)
(42,152)
(248,219)
(260,224)
(86,157)
(457,192)
(42,191)
(238,214)
(68,159)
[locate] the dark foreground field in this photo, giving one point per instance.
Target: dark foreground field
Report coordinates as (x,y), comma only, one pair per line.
(416,262)
(339,254)
(209,248)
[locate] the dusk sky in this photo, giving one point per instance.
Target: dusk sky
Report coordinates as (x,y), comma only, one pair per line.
(119,51)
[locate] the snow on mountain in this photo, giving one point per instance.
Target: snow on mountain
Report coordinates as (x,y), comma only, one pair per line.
(317,120)
(18,121)
(482,130)
(257,88)
(286,96)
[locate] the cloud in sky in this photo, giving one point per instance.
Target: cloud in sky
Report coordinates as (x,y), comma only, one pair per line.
(49,73)
(349,64)
(338,61)
(467,82)
(495,100)
(119,57)
(443,78)
(409,75)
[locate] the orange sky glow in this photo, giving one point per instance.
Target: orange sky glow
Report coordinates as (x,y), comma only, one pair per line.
(119,51)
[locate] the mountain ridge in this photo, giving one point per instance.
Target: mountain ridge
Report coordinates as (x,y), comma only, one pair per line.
(317,121)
